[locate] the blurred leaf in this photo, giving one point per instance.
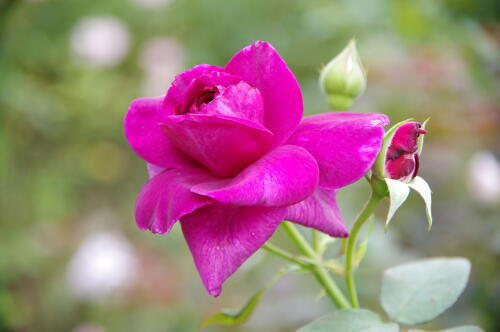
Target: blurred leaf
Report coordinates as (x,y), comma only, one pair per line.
(420,291)
(422,187)
(335,267)
(398,193)
(363,246)
(324,242)
(455,329)
(230,318)
(350,320)
(360,252)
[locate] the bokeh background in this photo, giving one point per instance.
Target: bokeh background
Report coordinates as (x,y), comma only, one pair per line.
(71,258)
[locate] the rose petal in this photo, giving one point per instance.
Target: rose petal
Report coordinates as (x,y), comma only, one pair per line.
(284,176)
(402,168)
(223,144)
(214,80)
(221,237)
(146,138)
(154,170)
(319,211)
(177,91)
(167,197)
(260,65)
(345,145)
(241,101)
(405,140)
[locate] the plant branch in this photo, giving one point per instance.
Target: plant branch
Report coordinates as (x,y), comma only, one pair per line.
(284,254)
(351,246)
(317,269)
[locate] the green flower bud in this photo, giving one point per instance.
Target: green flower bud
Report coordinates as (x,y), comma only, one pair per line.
(343,78)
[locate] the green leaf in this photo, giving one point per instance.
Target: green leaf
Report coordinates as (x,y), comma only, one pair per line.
(420,291)
(230,318)
(419,185)
(234,318)
(455,329)
(350,320)
(464,329)
(421,137)
(398,193)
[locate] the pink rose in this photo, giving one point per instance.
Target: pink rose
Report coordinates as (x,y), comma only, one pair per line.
(230,156)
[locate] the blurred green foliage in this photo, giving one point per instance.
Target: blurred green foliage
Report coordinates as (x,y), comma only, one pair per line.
(66,170)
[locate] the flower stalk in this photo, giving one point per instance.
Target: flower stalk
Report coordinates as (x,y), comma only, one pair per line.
(317,268)
(285,255)
(315,240)
(351,246)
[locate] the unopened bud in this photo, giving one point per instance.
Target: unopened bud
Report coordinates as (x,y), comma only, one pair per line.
(399,156)
(343,78)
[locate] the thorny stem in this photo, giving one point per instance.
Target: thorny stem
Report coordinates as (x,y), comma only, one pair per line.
(317,269)
(351,246)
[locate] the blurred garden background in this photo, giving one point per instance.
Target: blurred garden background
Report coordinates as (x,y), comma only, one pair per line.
(71,258)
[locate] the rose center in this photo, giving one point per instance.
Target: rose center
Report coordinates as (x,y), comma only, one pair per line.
(206,96)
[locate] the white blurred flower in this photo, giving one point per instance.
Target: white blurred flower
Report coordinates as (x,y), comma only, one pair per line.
(484,178)
(160,59)
(151,4)
(101,41)
(104,263)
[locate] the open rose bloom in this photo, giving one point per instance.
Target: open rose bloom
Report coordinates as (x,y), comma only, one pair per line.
(230,156)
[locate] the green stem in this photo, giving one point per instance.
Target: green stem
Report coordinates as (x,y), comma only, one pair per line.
(317,269)
(298,239)
(284,254)
(351,246)
(315,240)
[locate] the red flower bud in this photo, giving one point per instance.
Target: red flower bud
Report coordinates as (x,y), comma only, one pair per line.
(401,159)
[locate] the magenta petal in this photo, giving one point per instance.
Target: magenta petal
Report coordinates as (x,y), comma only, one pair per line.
(154,170)
(405,140)
(241,101)
(143,132)
(403,167)
(286,175)
(221,237)
(167,197)
(345,145)
(223,144)
(177,91)
(214,81)
(319,211)
(260,65)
